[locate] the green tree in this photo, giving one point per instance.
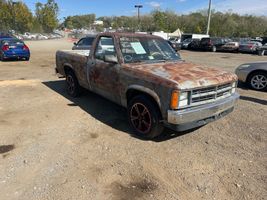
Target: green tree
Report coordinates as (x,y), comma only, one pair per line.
(46,15)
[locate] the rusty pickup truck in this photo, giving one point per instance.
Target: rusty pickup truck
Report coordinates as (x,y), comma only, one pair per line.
(145,75)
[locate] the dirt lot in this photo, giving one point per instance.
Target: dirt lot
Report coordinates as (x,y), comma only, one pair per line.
(56,147)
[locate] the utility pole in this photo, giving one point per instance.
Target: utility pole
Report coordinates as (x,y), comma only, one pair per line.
(14,14)
(209,16)
(138,14)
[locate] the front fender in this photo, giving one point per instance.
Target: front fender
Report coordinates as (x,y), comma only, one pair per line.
(146,90)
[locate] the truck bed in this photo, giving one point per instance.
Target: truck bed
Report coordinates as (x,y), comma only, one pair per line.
(74,58)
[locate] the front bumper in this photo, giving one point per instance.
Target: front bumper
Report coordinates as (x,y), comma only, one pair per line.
(181,120)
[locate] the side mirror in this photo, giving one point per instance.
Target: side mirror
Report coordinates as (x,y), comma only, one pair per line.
(111,59)
(75,43)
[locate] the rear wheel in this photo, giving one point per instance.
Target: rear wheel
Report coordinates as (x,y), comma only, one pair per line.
(258,81)
(144,117)
(72,84)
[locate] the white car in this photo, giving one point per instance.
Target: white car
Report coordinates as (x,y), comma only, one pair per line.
(41,37)
(29,36)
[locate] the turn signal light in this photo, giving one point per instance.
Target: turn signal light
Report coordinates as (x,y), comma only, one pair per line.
(175,99)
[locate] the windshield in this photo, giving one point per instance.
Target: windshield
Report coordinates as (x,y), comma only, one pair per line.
(143,49)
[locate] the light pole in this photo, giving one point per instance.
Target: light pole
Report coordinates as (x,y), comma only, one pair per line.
(209,15)
(138,14)
(14,14)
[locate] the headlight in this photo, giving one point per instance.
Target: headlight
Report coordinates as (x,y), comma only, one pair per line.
(178,99)
(234,85)
(183,99)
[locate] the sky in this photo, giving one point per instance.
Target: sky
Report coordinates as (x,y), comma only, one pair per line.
(126,7)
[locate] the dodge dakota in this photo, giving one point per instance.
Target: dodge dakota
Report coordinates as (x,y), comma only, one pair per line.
(145,75)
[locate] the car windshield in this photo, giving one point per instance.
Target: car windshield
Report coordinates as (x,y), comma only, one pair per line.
(144,49)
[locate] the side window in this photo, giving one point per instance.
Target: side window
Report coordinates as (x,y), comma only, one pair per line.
(105,46)
(80,42)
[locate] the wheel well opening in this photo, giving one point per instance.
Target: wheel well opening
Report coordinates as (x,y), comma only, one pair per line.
(67,69)
(133,93)
(254,72)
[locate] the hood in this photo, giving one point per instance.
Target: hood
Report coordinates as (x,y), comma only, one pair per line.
(185,75)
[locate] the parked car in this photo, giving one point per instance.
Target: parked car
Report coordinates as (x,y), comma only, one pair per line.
(249,47)
(84,43)
(29,36)
(186,42)
(194,45)
(175,46)
(142,73)
(230,47)
(41,37)
(254,74)
(213,44)
(13,48)
(262,50)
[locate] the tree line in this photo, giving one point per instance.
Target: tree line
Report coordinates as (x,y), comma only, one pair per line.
(18,17)
(222,24)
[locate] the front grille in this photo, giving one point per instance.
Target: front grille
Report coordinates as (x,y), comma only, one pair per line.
(209,94)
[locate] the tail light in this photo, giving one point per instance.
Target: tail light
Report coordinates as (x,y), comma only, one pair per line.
(210,43)
(5,48)
(25,47)
(250,46)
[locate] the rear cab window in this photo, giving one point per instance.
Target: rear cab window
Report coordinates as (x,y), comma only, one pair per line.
(105,46)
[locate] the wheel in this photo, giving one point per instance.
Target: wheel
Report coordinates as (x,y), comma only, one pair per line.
(261,52)
(72,84)
(1,58)
(214,49)
(27,59)
(144,117)
(258,81)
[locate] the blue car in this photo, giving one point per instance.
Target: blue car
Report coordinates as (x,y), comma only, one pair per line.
(13,48)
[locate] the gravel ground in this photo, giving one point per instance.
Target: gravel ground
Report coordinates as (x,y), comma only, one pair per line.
(56,147)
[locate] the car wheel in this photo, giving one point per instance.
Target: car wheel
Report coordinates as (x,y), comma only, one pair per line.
(258,81)
(144,117)
(72,84)
(27,59)
(214,49)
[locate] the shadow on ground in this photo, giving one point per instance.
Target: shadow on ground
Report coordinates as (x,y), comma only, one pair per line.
(254,100)
(105,111)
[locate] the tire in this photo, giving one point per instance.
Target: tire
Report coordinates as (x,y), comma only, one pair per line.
(27,59)
(72,85)
(214,49)
(258,81)
(144,117)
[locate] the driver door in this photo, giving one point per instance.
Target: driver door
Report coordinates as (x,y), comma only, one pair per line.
(104,75)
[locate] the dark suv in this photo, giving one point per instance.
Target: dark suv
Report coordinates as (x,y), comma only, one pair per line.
(213,44)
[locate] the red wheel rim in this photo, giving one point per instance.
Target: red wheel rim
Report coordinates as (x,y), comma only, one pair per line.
(140,118)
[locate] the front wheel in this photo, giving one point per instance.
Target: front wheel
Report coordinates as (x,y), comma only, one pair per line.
(72,84)
(144,117)
(258,81)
